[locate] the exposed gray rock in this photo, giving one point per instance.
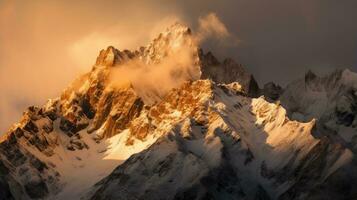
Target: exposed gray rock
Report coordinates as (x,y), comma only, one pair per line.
(272,91)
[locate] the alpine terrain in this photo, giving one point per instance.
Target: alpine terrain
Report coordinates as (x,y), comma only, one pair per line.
(171,121)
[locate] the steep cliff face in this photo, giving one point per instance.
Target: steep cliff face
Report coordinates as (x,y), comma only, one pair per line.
(27,175)
(228,71)
(195,132)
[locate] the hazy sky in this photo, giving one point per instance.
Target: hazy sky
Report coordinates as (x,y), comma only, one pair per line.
(45,44)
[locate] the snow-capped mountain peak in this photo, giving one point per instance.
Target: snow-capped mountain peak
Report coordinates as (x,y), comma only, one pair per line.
(168,121)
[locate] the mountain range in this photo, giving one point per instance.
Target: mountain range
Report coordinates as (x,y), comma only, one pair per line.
(171,121)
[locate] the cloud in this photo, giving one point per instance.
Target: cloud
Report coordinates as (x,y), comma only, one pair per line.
(153,80)
(211,27)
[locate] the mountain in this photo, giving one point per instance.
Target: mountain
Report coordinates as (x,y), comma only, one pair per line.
(169,121)
(332,99)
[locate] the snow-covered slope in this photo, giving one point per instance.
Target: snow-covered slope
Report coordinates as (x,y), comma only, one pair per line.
(229,146)
(194,131)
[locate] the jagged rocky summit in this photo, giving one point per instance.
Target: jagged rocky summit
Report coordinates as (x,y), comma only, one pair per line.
(215,135)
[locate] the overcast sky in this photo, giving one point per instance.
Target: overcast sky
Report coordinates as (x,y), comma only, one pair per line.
(46,44)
